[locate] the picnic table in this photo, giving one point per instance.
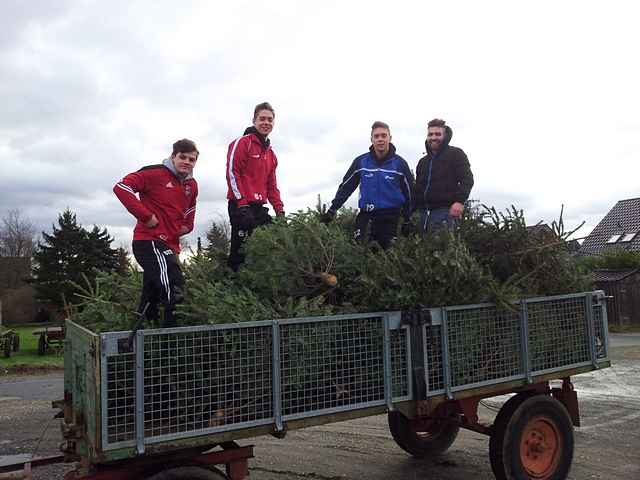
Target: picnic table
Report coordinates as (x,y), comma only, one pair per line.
(49,337)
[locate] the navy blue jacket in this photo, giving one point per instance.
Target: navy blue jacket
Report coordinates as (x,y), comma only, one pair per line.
(385,184)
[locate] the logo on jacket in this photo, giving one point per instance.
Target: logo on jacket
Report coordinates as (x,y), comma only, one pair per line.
(187,190)
(368,175)
(388,177)
(169,185)
(256,156)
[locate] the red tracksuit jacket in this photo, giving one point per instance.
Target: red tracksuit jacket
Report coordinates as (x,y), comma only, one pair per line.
(251,173)
(161,193)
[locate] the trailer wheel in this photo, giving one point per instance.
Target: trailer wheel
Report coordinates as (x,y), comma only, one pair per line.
(42,345)
(188,473)
(532,439)
(430,442)
(498,429)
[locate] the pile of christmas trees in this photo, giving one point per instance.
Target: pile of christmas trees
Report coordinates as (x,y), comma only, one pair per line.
(301,267)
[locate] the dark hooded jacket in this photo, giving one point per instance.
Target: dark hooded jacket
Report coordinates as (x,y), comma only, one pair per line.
(443,178)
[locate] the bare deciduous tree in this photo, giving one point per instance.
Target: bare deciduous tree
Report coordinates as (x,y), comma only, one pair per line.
(17,235)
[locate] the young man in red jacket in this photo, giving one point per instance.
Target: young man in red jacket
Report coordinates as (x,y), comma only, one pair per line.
(163,199)
(251,181)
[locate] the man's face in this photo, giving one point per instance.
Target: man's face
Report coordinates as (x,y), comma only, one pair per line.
(184,162)
(264,122)
(435,137)
(380,138)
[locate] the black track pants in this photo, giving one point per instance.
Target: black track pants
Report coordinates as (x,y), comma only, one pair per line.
(239,234)
(383,227)
(162,282)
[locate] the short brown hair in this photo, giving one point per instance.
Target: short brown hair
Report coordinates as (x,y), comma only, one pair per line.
(437,122)
(263,106)
(379,124)
(185,146)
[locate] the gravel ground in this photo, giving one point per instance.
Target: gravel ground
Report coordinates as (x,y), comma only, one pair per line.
(607,444)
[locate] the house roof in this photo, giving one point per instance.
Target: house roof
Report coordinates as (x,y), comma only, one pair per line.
(605,275)
(540,228)
(623,218)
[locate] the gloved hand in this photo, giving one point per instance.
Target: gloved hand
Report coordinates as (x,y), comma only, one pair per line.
(328,216)
(245,218)
(280,213)
(407,228)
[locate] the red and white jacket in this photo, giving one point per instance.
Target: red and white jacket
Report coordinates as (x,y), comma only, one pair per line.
(161,192)
(251,172)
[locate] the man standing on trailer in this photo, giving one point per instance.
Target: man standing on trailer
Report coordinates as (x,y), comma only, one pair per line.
(162,197)
(386,185)
(251,181)
(443,179)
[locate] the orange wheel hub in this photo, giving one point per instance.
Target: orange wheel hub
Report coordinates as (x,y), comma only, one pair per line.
(540,447)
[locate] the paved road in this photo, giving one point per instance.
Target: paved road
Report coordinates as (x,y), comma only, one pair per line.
(607,445)
(624,339)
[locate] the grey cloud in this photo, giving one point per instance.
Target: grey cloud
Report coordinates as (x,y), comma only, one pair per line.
(18,15)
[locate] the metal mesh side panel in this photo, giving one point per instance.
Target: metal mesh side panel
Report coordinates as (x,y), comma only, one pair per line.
(558,333)
(399,378)
(206,379)
(600,338)
(331,364)
(121,397)
(434,368)
(484,345)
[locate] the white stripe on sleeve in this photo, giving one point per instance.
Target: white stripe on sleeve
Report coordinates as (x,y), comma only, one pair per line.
(232,177)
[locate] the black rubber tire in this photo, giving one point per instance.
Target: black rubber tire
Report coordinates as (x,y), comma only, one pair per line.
(42,345)
(421,444)
(188,473)
(16,342)
(508,431)
(498,429)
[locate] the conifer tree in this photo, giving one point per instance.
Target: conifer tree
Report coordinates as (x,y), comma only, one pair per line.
(66,255)
(218,239)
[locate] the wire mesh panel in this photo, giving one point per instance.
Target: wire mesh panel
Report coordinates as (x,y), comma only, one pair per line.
(558,333)
(195,381)
(203,380)
(433,355)
(121,397)
(399,363)
(331,364)
(599,332)
(484,344)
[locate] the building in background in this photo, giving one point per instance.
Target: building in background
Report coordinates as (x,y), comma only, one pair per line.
(17,296)
(618,230)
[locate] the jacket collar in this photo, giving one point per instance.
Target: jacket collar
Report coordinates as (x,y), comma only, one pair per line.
(265,142)
(390,153)
(168,163)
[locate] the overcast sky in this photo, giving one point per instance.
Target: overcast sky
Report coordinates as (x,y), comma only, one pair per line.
(542,96)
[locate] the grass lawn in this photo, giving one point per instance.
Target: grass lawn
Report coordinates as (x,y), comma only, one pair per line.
(624,328)
(27,357)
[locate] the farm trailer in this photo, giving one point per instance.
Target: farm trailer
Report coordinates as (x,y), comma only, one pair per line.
(156,407)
